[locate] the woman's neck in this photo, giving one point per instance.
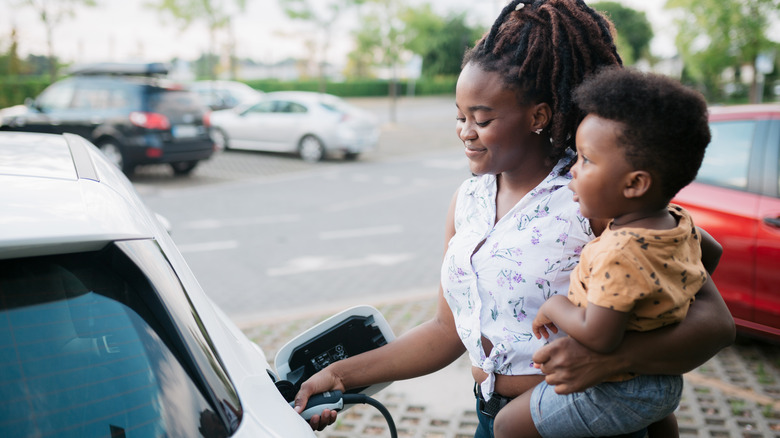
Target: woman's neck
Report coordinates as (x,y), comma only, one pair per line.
(512,186)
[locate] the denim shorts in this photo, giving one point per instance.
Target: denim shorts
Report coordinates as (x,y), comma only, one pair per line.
(611,408)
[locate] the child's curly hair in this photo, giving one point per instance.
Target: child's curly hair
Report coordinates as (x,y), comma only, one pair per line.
(665,124)
(544,49)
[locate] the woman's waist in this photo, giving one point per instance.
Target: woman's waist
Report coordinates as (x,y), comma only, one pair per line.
(509,385)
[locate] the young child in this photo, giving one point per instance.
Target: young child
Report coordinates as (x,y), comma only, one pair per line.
(642,140)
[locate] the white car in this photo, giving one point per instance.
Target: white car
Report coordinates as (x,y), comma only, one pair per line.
(310,124)
(225,94)
(105,331)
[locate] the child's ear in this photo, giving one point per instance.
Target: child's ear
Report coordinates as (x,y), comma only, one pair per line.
(638,183)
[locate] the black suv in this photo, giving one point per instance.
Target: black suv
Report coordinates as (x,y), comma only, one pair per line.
(129,111)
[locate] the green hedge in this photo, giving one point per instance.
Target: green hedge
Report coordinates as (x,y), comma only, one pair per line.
(14,90)
(360,88)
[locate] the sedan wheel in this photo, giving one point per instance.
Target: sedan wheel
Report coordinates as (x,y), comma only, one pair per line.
(220,139)
(311,149)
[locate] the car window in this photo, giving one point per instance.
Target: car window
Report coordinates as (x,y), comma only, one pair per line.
(170,101)
(283,106)
(728,154)
(95,97)
(266,106)
(56,97)
(86,350)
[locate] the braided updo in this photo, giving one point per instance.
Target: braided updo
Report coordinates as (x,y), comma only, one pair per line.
(544,49)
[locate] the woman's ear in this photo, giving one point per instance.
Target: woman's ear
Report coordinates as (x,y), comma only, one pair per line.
(638,184)
(542,116)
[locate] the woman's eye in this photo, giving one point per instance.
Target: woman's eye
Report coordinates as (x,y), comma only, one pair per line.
(483,124)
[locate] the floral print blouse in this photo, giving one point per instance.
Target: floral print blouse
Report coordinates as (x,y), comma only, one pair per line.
(527,257)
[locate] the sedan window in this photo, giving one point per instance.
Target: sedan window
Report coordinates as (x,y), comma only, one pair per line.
(728,155)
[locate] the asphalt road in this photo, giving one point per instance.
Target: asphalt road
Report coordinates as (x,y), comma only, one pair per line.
(268,233)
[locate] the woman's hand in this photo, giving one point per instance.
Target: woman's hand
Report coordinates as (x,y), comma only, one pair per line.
(571,367)
(323,381)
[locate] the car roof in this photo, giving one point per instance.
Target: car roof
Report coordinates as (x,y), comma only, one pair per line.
(307,96)
(59,194)
(754,111)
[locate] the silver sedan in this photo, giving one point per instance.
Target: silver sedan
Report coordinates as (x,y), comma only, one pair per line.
(311,124)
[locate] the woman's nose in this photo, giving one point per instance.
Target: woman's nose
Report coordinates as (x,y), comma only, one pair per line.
(465,131)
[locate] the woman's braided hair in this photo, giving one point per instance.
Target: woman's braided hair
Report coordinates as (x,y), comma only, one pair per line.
(544,49)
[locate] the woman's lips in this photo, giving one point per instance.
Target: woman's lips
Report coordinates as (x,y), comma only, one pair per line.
(473,151)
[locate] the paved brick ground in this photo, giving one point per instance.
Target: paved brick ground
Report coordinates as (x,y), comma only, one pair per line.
(734,395)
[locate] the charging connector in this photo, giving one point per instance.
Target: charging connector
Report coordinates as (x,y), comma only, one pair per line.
(335,401)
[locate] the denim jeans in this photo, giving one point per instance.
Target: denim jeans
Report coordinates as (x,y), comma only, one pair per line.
(610,408)
(485,427)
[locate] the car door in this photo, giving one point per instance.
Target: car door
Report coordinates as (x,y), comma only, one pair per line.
(254,127)
(734,200)
(767,311)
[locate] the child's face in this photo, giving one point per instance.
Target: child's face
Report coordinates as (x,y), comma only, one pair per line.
(601,172)
(493,125)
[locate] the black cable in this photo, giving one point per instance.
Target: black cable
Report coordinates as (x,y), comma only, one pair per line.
(353,399)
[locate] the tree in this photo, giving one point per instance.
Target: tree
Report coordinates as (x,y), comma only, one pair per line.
(441,41)
(634,31)
(215,13)
(52,13)
(380,40)
(323,16)
(719,35)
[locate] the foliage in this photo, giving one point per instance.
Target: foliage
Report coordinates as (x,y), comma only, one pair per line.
(634,31)
(215,13)
(15,89)
(52,13)
(361,87)
(324,19)
(716,36)
(441,41)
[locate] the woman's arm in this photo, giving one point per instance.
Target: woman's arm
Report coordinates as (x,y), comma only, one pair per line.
(711,251)
(677,349)
(427,348)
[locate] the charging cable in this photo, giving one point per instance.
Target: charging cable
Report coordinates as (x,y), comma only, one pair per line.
(335,401)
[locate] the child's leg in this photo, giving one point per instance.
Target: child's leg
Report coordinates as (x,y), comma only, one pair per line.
(664,428)
(514,420)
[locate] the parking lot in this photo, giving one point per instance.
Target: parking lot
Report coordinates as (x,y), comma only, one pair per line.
(736,394)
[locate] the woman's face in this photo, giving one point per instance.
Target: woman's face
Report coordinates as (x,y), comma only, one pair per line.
(495,127)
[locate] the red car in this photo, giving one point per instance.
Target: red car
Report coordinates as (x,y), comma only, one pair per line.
(736,198)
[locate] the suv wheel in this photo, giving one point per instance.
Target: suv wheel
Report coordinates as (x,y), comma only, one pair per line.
(183,167)
(114,154)
(311,149)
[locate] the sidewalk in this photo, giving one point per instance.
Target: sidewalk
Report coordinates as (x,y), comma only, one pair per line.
(734,395)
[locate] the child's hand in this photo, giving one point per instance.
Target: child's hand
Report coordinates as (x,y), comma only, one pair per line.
(541,324)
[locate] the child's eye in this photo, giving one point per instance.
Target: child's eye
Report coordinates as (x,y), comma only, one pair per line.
(483,124)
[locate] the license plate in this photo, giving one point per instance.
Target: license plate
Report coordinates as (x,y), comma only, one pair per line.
(185,131)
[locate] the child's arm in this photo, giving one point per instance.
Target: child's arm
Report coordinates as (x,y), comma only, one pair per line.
(595,327)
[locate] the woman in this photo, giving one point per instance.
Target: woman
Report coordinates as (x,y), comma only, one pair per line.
(513,232)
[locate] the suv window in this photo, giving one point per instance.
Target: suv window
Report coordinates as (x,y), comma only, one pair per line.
(86,349)
(728,155)
(58,96)
(170,101)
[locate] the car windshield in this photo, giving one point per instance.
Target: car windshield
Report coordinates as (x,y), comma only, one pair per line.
(86,350)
